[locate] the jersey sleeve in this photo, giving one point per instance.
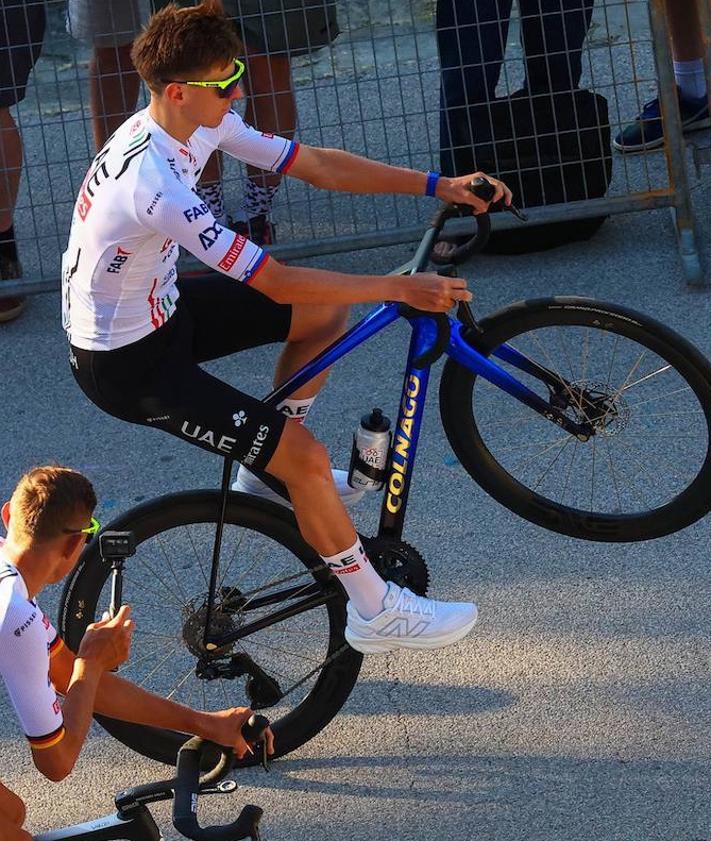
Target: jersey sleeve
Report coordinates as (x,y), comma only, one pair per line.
(178,213)
(267,151)
(24,665)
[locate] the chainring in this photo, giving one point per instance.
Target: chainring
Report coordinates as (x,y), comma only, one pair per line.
(397,561)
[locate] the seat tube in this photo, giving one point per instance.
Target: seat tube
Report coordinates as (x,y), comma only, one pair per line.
(406,432)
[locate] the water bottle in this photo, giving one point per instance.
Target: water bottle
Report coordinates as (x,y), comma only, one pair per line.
(369,458)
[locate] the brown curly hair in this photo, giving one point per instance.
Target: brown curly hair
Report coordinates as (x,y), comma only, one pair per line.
(183,42)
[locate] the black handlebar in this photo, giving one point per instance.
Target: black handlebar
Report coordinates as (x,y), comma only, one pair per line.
(483,189)
(188,784)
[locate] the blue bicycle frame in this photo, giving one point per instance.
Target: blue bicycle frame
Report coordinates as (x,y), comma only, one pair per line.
(426,331)
(432,335)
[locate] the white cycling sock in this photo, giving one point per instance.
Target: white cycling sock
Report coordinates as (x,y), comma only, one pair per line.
(296,408)
(691,78)
(211,193)
(365,588)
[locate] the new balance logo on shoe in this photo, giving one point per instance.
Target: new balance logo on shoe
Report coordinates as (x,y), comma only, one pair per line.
(404,627)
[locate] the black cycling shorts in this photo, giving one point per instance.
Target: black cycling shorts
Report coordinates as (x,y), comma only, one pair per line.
(22,24)
(158,382)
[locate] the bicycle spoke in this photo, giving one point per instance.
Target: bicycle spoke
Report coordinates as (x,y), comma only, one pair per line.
(592,474)
(556,443)
(614,474)
(660,397)
(656,373)
(197,555)
(651,420)
(177,687)
(159,664)
(551,465)
(570,470)
(282,651)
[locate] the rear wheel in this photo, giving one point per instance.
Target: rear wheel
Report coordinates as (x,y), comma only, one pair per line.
(265,567)
(643,389)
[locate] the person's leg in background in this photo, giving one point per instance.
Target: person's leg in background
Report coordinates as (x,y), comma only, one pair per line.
(110,25)
(647,131)
(22,26)
(552,36)
(271,107)
(687,48)
(471,39)
(114,86)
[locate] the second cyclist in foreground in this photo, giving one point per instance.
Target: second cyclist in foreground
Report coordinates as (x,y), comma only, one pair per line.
(138,334)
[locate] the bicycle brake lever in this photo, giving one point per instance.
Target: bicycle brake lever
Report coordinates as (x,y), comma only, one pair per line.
(510,208)
(484,190)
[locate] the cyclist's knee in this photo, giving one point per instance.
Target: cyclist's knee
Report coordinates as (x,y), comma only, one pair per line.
(12,808)
(322,323)
(299,456)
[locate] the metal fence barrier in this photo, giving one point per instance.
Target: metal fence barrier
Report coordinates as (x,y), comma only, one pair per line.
(374,91)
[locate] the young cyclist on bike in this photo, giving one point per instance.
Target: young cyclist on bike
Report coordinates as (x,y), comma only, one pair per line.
(138,333)
(48,519)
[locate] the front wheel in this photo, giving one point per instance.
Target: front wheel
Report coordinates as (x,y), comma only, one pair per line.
(267,574)
(645,393)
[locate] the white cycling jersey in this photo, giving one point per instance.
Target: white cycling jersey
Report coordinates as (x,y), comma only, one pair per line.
(27,641)
(136,205)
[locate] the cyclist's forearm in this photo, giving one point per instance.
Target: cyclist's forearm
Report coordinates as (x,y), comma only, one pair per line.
(298,285)
(121,699)
(78,709)
(345,172)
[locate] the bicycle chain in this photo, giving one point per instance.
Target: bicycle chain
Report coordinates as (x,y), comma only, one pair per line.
(395,560)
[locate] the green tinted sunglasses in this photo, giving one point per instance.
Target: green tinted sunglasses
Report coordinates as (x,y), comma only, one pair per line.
(223,87)
(92,528)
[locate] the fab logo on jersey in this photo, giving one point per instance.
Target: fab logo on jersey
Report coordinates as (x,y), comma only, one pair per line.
(195,212)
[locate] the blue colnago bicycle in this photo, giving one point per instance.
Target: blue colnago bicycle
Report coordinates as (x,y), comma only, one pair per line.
(583,417)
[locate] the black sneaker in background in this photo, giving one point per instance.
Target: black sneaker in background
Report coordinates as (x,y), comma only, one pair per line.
(10,306)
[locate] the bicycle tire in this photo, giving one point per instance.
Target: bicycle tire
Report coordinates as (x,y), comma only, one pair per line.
(260,520)
(616,325)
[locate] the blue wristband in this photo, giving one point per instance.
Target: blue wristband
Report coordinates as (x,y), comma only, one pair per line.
(432,179)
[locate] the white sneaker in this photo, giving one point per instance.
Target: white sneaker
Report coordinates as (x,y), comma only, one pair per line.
(409,621)
(248,483)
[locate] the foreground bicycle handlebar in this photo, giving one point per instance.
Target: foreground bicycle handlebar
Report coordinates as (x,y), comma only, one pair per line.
(188,785)
(134,822)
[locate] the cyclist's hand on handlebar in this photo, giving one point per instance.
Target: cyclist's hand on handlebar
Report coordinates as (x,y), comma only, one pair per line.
(432,292)
(108,641)
(225,728)
(457,191)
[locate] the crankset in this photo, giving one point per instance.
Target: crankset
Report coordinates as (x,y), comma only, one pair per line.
(397,561)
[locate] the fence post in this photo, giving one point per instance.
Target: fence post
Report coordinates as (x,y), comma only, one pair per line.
(702,154)
(675,146)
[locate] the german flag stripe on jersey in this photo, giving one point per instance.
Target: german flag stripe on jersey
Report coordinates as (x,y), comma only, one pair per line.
(48,741)
(56,645)
(289,159)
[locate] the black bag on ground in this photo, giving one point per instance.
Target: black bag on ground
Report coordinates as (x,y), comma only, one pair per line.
(548,148)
